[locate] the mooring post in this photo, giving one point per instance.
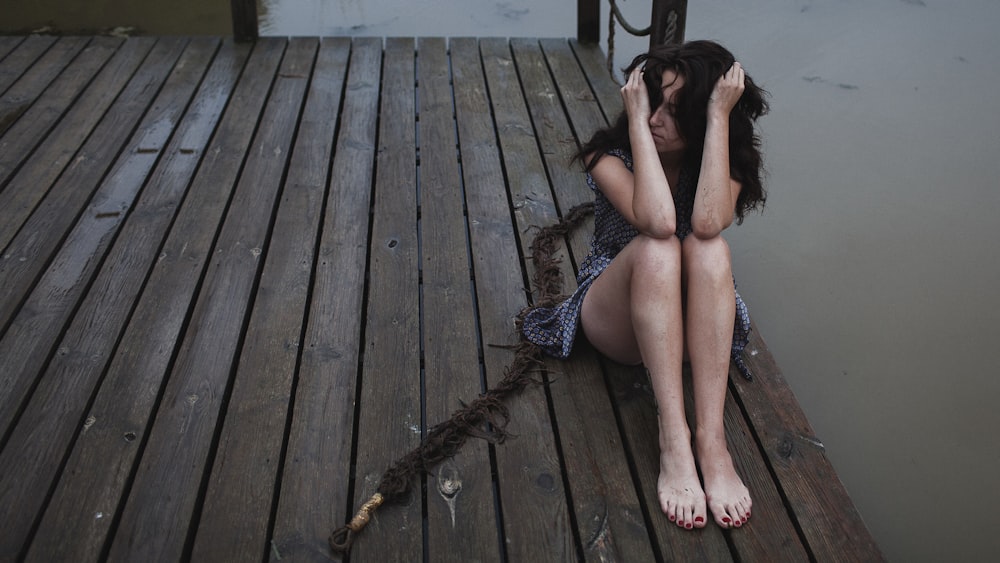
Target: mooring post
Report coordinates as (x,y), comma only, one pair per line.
(244,20)
(588,21)
(667,22)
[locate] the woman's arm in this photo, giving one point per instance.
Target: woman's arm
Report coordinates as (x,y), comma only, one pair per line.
(715,199)
(643,197)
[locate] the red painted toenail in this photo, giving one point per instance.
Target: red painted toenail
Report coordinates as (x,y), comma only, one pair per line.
(672,517)
(726,519)
(688,525)
(699,519)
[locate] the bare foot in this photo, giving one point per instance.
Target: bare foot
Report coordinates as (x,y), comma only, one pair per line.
(681,496)
(727,496)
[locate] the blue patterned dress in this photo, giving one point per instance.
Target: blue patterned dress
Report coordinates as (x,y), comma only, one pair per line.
(554,328)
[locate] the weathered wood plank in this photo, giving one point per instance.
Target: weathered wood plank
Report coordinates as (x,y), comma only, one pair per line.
(7,44)
(462,522)
(236,513)
(18,54)
(95,468)
(315,485)
(28,253)
(45,430)
(46,309)
(19,97)
(156,520)
(555,136)
(819,503)
(604,496)
(125,321)
(537,521)
(602,85)
(108,449)
(77,114)
(770,535)
(389,417)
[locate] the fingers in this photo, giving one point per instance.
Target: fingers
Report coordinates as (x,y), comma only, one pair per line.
(735,75)
(634,95)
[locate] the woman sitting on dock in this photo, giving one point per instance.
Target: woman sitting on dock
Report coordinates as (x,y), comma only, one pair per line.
(675,170)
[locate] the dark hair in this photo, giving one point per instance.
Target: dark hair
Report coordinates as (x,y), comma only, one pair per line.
(701,64)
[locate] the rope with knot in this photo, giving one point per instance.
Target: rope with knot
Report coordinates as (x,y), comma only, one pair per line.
(487,416)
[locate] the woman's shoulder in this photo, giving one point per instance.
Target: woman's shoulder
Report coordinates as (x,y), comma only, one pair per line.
(603,168)
(624,154)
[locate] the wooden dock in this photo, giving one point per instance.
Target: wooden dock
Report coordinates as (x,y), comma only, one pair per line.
(238,280)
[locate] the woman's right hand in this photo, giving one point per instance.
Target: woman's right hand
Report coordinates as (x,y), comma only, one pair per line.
(635,96)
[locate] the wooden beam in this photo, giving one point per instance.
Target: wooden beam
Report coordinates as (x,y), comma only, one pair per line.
(244,20)
(668,22)
(588,21)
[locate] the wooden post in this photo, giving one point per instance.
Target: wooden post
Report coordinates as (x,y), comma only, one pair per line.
(588,21)
(667,22)
(244,20)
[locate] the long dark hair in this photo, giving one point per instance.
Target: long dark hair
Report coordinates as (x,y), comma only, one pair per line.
(701,64)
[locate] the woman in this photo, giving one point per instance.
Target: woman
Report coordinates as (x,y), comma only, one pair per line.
(679,165)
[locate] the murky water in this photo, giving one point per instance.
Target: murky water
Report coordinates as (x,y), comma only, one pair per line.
(873,272)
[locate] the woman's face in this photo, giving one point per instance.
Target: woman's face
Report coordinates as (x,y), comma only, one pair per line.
(662,123)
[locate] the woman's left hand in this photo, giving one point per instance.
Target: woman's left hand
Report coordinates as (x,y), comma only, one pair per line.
(727,91)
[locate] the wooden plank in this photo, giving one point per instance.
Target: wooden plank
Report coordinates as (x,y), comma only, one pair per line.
(389,406)
(604,496)
(314,496)
(17,54)
(44,432)
(26,254)
(103,462)
(157,518)
(498,275)
(236,515)
(820,505)
(389,415)
(462,523)
(7,44)
(603,86)
(38,323)
(770,535)
(90,340)
(19,97)
(537,521)
(76,113)
(555,135)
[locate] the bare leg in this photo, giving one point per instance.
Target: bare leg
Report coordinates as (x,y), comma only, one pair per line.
(633,313)
(711,309)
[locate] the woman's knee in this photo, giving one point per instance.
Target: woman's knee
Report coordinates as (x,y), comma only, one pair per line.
(709,257)
(658,254)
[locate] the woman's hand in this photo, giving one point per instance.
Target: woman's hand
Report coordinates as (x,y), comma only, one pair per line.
(635,96)
(727,91)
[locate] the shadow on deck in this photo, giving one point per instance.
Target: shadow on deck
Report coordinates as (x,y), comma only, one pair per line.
(239,280)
